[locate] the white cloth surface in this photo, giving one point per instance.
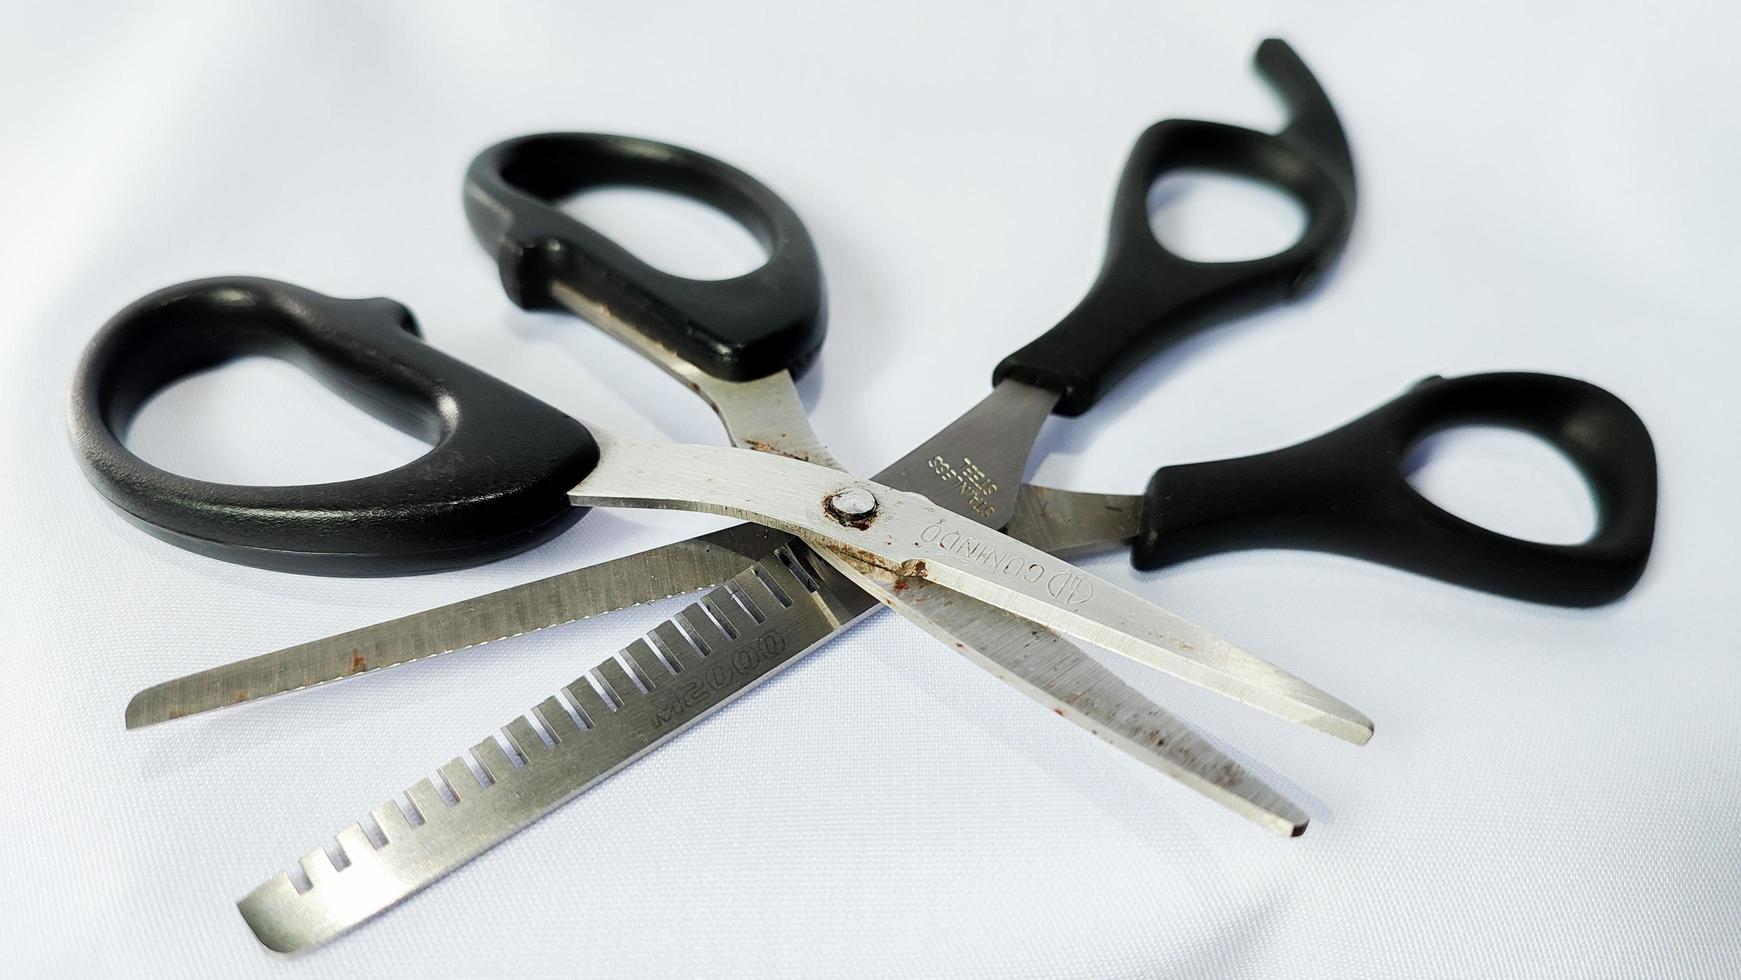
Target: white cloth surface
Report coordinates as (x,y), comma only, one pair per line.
(1543,187)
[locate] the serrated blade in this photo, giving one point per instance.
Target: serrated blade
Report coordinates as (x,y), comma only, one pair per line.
(659,573)
(739,635)
(801,603)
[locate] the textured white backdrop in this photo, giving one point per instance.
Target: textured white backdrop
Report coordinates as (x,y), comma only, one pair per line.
(1546,186)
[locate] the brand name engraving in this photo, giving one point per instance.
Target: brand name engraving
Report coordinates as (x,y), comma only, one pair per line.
(720,672)
(1069,586)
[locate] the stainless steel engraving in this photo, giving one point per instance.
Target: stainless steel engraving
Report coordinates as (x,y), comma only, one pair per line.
(1001,430)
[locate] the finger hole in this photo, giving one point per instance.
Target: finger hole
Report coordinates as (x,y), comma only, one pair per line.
(1206,216)
(1505,480)
(260,421)
(674,233)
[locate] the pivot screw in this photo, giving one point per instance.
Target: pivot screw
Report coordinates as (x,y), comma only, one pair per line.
(853,507)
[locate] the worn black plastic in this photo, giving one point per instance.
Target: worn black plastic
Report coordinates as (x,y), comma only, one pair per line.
(738,329)
(1345,492)
(1146,297)
(493,484)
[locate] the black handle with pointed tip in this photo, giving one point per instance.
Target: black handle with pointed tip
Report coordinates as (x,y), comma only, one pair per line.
(493,484)
(737,329)
(1345,492)
(1146,297)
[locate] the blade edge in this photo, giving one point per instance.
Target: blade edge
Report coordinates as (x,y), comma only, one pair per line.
(647,576)
(287,920)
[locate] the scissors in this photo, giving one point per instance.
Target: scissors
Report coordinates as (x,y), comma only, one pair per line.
(827,547)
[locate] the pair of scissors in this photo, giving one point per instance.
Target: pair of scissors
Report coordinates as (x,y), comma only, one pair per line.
(739,343)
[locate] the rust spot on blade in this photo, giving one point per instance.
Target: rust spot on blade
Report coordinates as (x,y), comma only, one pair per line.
(902,585)
(862,557)
(761,446)
(359,663)
(238,697)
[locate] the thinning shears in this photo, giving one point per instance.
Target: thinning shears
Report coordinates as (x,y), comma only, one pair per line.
(949,535)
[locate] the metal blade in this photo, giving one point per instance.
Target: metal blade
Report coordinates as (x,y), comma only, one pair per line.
(1001,430)
(1073,686)
(738,636)
(908,535)
(821,602)
(659,573)
(1066,522)
(800,603)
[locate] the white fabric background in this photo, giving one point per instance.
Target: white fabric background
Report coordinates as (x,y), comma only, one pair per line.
(1546,186)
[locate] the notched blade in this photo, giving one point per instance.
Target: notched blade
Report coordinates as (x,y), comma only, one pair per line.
(742,633)
(659,573)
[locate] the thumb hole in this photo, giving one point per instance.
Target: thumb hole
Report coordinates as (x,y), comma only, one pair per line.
(261,421)
(1504,480)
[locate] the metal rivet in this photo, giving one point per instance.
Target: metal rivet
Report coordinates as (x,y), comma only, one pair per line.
(853,506)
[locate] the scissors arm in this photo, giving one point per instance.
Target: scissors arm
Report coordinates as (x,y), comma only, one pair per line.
(904,535)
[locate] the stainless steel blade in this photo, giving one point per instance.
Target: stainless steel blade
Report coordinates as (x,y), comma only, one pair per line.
(1067,522)
(766,416)
(674,569)
(685,669)
(1078,689)
(742,633)
(1001,430)
(1031,658)
(907,535)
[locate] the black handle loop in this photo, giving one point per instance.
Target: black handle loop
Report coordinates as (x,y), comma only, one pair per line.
(739,329)
(1345,492)
(1146,297)
(494,484)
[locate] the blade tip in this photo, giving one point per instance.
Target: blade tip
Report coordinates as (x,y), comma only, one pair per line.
(136,716)
(1350,726)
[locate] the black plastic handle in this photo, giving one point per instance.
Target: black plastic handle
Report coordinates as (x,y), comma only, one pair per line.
(494,484)
(1345,492)
(740,329)
(1146,297)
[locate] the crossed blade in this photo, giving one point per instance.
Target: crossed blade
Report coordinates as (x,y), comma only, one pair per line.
(781,597)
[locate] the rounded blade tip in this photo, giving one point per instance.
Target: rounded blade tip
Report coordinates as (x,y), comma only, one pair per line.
(138,714)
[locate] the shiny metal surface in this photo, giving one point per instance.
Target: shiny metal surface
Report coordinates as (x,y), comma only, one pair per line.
(764,414)
(1060,522)
(801,603)
(1075,687)
(684,566)
(912,537)
(798,613)
(1065,522)
(1000,432)
(741,634)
